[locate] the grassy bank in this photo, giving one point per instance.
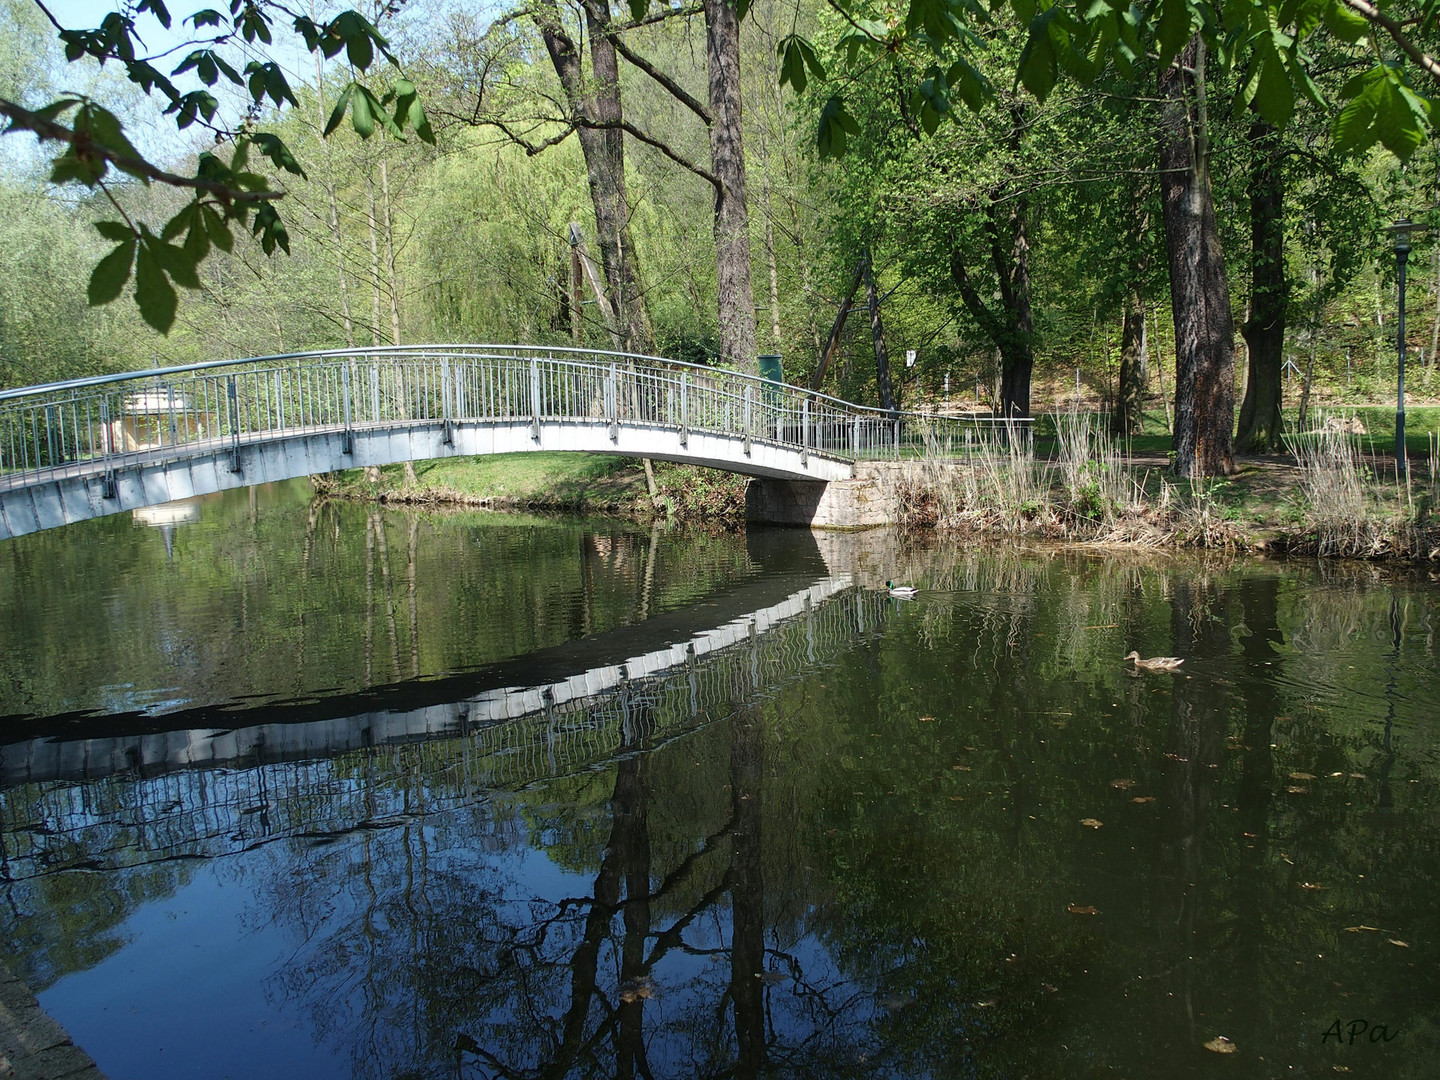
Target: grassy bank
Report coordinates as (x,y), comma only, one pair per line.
(575,483)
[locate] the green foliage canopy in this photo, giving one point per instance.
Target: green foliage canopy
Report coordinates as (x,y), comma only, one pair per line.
(1266,43)
(94,145)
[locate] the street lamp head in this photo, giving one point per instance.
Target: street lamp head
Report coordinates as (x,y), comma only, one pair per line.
(1400,234)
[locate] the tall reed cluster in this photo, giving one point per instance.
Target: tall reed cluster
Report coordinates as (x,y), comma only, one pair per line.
(1090,492)
(1340,509)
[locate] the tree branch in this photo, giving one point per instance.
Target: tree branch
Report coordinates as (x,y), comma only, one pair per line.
(650,140)
(86,147)
(989,324)
(1397,33)
(677,91)
(661,16)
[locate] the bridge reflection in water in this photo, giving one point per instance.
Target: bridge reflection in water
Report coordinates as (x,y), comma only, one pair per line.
(123,799)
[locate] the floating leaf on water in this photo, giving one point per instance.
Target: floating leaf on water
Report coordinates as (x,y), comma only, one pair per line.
(1049,989)
(1221,1045)
(1302,776)
(1085,909)
(927,719)
(1176,757)
(1357,776)
(1122,785)
(1333,775)
(770,978)
(1091,823)
(962,768)
(1141,800)
(1292,789)
(1357,929)
(1311,885)
(1397,941)
(641,989)
(985,1004)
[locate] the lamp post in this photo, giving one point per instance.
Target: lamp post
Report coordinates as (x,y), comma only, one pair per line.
(1400,232)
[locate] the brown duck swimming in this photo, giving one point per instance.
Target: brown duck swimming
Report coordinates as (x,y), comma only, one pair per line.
(1155,663)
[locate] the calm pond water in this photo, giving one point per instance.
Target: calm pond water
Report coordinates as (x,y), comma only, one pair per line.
(313,791)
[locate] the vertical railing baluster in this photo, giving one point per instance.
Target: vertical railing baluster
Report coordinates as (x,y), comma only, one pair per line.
(347,441)
(234,424)
(749,390)
(612,402)
(535,399)
(108,484)
(805,432)
(446,438)
(685,408)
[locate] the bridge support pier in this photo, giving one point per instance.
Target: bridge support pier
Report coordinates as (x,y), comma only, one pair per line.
(866,502)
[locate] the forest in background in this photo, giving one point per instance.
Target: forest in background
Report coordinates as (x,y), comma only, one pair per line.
(965,237)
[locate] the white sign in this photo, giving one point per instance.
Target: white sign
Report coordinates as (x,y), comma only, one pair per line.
(909,357)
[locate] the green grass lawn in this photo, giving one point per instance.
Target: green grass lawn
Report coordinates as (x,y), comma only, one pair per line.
(540,476)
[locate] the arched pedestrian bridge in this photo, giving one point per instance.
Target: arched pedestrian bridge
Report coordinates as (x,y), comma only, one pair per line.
(76,450)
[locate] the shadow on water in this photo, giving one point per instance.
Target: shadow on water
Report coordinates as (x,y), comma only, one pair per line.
(822,832)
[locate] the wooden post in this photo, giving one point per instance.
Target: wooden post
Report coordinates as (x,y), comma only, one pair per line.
(577,247)
(577,290)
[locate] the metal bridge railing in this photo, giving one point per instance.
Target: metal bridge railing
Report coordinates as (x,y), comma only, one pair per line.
(105,423)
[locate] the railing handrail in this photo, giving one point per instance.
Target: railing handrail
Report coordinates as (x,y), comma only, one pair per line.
(480,351)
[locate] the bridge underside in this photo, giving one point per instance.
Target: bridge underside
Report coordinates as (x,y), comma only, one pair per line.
(85,490)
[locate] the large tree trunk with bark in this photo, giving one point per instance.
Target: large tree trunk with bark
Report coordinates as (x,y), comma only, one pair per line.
(727,162)
(1199,293)
(595,108)
(1261,419)
(1011,328)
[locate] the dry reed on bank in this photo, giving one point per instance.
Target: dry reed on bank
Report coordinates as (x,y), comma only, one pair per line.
(1090,494)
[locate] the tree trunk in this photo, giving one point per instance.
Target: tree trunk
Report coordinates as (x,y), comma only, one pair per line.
(1134,368)
(593,102)
(1199,293)
(832,343)
(607,186)
(877,333)
(336,239)
(1134,376)
(387,224)
(1017,349)
(1261,419)
(374,258)
(1012,328)
(727,162)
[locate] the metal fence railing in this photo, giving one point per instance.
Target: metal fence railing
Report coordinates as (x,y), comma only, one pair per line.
(104,423)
